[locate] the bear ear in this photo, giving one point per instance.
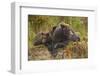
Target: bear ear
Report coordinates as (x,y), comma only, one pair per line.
(54,28)
(62,26)
(42,33)
(47,34)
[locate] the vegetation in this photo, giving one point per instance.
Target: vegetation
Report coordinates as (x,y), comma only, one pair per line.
(40,23)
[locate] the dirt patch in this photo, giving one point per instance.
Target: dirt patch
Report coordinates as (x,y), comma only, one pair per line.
(74,51)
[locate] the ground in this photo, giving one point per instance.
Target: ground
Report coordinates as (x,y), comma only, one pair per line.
(74,50)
